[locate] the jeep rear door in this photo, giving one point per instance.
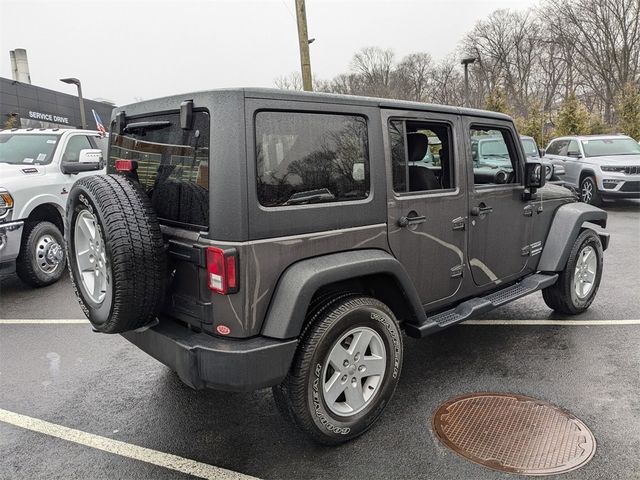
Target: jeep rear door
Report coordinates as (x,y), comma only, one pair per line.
(426,200)
(500,221)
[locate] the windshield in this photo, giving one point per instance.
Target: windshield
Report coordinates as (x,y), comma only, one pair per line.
(610,146)
(493,148)
(530,147)
(35,149)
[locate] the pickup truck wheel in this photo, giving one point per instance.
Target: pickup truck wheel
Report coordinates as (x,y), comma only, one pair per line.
(589,191)
(578,283)
(345,370)
(116,253)
(41,261)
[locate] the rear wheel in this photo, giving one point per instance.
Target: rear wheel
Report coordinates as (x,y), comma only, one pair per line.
(41,260)
(345,371)
(578,283)
(116,253)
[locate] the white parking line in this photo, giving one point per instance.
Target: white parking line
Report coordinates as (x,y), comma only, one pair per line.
(161,459)
(53,321)
(551,322)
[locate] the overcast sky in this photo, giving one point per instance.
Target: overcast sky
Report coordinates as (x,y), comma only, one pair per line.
(131,50)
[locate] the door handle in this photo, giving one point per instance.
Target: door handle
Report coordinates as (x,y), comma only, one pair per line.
(411,220)
(481,209)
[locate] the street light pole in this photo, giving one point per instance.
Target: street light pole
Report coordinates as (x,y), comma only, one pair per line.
(76,82)
(466,62)
(303,40)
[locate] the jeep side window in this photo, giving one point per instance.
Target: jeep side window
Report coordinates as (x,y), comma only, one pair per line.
(74,145)
(556,146)
(421,156)
(493,155)
(305,158)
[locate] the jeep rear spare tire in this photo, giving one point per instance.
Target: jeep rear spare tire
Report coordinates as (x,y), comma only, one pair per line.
(115,253)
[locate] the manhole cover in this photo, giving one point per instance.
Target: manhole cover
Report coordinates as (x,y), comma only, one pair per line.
(513,433)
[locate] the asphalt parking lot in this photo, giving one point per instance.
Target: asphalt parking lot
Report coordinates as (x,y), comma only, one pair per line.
(102,386)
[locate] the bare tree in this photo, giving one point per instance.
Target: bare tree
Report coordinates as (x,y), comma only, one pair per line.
(411,77)
(606,36)
(375,66)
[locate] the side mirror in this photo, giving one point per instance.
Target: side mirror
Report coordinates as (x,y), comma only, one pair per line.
(574,154)
(534,175)
(542,152)
(89,160)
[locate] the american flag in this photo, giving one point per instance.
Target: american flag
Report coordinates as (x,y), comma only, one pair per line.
(99,125)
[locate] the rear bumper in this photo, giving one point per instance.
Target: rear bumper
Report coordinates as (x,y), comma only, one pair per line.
(204,361)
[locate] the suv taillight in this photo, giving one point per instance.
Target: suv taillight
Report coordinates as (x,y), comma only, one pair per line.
(222,270)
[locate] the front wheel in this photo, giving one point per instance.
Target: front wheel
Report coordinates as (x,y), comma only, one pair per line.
(578,283)
(589,191)
(345,371)
(41,261)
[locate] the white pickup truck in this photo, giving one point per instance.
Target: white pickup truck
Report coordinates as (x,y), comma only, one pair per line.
(37,169)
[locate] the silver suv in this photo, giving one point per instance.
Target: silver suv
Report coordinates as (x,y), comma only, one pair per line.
(599,166)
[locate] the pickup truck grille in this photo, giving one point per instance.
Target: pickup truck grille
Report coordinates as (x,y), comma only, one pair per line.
(632,170)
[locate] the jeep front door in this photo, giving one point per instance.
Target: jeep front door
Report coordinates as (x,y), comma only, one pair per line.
(426,200)
(500,221)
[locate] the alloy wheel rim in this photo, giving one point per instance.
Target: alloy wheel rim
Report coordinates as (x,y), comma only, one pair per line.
(91,256)
(353,371)
(587,191)
(584,275)
(49,254)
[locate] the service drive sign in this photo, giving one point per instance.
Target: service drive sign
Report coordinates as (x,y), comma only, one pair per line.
(48,117)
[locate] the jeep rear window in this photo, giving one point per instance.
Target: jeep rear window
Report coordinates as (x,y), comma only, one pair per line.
(173,165)
(305,158)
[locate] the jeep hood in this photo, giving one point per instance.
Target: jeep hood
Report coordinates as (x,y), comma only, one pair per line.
(551,191)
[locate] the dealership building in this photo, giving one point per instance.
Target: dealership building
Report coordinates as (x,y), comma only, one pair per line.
(23,105)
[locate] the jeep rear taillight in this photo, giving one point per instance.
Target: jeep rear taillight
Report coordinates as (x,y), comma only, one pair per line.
(123,165)
(222,270)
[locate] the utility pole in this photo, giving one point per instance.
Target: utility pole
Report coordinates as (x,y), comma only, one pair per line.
(303,40)
(466,62)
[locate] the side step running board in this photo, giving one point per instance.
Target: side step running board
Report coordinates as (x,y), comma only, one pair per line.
(479,305)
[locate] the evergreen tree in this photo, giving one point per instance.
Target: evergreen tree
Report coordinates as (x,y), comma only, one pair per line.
(573,117)
(628,110)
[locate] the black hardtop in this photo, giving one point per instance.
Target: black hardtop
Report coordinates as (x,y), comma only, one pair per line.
(202,97)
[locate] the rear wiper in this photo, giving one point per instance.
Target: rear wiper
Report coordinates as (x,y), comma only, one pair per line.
(310,196)
(130,127)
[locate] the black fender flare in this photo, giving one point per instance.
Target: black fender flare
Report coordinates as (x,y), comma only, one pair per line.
(300,281)
(566,226)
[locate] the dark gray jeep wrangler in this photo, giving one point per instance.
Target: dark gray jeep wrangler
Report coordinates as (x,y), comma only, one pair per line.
(255,238)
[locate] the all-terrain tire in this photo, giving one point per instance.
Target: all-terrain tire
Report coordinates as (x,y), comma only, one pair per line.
(41,261)
(127,227)
(300,395)
(562,296)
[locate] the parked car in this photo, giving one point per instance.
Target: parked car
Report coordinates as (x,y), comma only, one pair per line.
(256,238)
(531,150)
(598,166)
(37,169)
(491,158)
